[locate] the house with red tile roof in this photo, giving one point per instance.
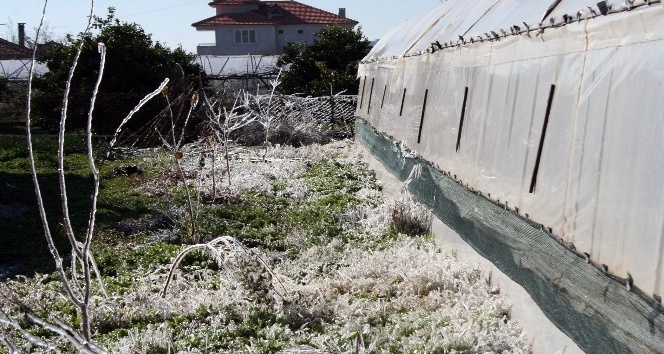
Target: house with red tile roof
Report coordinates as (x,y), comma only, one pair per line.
(12,51)
(263,27)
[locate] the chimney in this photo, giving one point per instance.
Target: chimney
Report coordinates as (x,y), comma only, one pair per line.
(342,12)
(21,34)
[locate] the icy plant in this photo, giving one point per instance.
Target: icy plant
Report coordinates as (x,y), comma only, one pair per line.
(246,109)
(250,270)
(224,122)
(363,290)
(78,287)
(265,114)
(79,294)
(246,266)
(228,253)
(409,217)
(82,345)
(217,249)
(174,144)
(410,296)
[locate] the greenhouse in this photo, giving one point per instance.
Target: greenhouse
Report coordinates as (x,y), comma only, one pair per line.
(534,131)
(18,69)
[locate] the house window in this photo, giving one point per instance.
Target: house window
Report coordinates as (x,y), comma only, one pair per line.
(300,31)
(281,31)
(245,37)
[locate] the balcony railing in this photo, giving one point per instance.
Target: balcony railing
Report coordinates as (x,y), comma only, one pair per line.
(206,49)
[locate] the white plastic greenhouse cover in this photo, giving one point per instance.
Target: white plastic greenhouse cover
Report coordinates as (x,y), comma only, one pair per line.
(224,66)
(19,69)
(553,108)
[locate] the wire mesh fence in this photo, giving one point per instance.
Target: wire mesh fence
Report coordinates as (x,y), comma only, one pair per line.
(300,120)
(295,120)
(332,109)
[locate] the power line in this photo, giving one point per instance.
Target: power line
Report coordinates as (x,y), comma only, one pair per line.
(120,17)
(159,9)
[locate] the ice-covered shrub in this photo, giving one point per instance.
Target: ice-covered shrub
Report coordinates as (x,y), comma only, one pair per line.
(409,217)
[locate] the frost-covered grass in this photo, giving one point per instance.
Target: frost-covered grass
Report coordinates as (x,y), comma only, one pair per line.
(343,276)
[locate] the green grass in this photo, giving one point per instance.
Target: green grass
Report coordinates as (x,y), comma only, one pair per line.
(266,218)
(254,217)
(12,125)
(23,233)
(22,239)
(134,266)
(117,261)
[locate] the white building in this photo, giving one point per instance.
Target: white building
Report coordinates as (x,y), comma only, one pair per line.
(263,27)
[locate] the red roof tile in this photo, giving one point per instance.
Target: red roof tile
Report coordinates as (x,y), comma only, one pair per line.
(232,2)
(9,50)
(234,19)
(292,13)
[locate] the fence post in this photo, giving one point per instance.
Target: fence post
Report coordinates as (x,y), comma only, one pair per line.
(332,118)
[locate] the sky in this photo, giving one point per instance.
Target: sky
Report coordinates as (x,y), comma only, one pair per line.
(169,21)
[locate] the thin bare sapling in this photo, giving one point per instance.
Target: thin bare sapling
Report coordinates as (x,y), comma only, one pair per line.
(78,287)
(174,144)
(224,121)
(265,115)
(59,327)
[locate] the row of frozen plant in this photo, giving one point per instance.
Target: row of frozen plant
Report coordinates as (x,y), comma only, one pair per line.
(268,248)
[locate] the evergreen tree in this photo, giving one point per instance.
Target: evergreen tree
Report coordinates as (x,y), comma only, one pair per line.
(329,63)
(135,65)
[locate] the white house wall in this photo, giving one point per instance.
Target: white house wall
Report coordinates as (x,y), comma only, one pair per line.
(225,39)
(268,40)
(599,183)
(291,34)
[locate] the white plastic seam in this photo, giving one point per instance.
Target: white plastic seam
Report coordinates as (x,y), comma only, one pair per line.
(400,43)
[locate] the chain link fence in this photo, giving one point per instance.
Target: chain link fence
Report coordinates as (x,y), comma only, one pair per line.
(302,120)
(333,109)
